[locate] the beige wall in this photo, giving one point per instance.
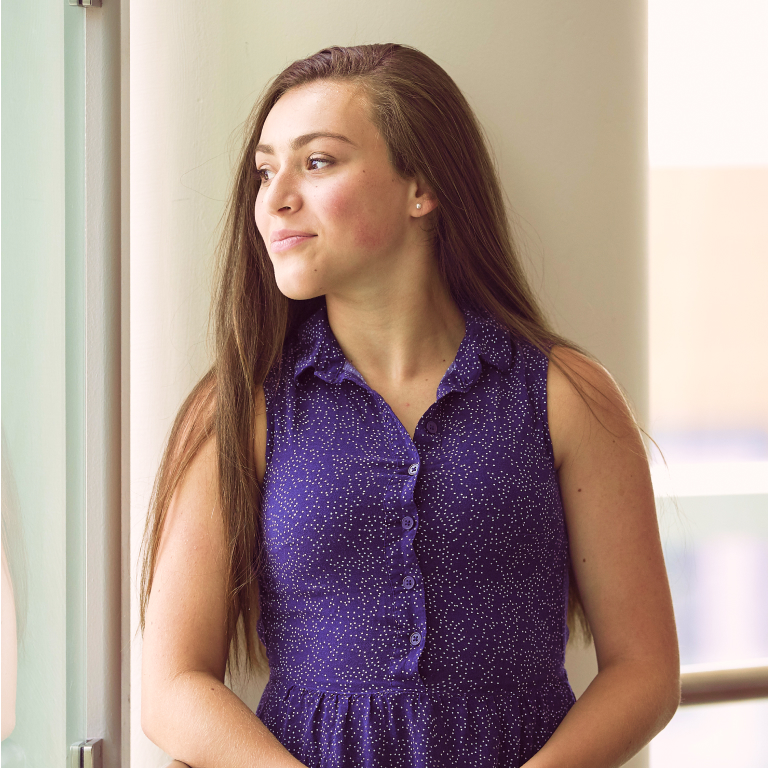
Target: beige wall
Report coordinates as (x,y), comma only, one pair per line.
(709,314)
(560,87)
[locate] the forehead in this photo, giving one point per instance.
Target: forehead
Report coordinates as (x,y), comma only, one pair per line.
(321,106)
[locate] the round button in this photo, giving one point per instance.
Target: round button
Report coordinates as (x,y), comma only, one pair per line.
(432,427)
(413,469)
(415,638)
(408,582)
(408,522)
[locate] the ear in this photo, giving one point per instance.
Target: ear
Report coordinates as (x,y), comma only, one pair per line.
(423,199)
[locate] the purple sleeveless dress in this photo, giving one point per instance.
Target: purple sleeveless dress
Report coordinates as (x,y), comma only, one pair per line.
(414,595)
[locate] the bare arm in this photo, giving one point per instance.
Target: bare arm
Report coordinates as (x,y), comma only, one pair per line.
(185,707)
(617,558)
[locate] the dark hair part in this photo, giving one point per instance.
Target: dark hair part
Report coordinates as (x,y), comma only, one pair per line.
(429,129)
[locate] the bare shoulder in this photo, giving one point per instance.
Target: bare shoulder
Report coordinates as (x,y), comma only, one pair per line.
(584,403)
(196,494)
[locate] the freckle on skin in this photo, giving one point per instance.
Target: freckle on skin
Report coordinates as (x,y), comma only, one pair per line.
(579,490)
(584,560)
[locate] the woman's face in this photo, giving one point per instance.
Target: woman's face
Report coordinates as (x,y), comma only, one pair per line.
(326,174)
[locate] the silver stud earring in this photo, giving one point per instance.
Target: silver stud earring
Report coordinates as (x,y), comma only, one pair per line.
(418,206)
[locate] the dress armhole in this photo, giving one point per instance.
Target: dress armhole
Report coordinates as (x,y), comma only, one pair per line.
(545,408)
(536,376)
(269,394)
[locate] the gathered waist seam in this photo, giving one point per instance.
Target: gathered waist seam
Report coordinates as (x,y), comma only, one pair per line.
(422,687)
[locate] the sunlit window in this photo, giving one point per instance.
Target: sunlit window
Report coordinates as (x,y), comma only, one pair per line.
(708,246)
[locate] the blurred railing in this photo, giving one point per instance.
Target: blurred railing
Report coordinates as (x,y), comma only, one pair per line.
(713,683)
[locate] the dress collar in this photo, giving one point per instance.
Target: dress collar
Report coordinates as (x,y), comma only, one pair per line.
(484,340)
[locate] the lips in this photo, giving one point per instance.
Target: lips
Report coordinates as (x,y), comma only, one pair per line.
(283,239)
(290,242)
(284,234)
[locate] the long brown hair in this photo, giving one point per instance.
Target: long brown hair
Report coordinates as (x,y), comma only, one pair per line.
(430,130)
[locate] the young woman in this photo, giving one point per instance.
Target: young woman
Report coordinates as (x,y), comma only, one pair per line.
(396,480)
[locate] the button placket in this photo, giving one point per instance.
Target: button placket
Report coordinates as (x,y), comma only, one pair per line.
(409,589)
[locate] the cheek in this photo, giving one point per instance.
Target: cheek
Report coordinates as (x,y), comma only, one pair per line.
(260,217)
(362,215)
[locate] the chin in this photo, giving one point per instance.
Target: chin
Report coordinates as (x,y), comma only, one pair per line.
(299,290)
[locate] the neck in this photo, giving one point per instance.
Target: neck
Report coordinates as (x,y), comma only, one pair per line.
(400,333)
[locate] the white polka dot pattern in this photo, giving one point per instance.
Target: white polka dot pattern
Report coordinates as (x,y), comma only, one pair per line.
(413,600)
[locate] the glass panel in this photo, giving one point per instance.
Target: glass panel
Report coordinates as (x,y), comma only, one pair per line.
(714,735)
(42,447)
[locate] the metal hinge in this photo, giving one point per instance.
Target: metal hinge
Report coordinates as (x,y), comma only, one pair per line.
(86,3)
(85,754)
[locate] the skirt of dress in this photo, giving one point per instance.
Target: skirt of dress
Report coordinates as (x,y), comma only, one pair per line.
(475,727)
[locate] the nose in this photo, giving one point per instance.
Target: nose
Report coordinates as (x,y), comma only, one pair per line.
(282,195)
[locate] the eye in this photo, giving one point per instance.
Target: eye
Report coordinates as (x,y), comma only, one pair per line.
(262,172)
(318,160)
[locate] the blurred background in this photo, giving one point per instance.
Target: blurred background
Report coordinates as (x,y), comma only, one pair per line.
(708,323)
(632,141)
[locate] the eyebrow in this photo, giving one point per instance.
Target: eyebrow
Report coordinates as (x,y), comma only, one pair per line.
(300,141)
